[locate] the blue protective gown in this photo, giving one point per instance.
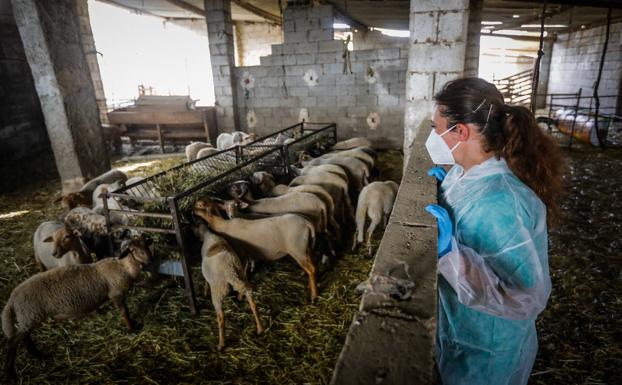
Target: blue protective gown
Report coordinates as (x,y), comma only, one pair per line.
(495,281)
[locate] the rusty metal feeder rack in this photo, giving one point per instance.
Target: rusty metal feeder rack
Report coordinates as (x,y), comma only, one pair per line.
(172,217)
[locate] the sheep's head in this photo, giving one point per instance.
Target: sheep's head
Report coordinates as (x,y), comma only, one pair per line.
(238,189)
(66,240)
(73,200)
(264,181)
(249,138)
(233,207)
(304,158)
(206,208)
(137,248)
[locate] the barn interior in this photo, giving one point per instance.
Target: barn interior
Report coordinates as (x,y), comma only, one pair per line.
(89,86)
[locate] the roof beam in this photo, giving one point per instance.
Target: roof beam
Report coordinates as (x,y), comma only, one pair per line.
(352,22)
(187,7)
(259,12)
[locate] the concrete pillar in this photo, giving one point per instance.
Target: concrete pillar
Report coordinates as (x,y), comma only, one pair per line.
(438,30)
(545,70)
(471,59)
(220,35)
(50,32)
(90,51)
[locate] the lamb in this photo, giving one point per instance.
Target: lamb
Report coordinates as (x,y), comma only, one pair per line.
(376,201)
(266,239)
(70,292)
(352,143)
(56,245)
(74,199)
(222,267)
(193,149)
(228,140)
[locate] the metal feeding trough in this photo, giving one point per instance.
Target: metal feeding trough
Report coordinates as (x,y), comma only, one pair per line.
(161,204)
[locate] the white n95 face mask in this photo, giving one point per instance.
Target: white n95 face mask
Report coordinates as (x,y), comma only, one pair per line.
(438,149)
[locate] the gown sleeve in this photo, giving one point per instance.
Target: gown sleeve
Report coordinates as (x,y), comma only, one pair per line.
(506,276)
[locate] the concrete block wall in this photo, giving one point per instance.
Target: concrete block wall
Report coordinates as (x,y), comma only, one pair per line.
(254,40)
(220,36)
(391,339)
(22,129)
(575,61)
(304,77)
(376,39)
(437,54)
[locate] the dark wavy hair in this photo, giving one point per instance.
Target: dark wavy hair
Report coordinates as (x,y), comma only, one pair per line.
(510,132)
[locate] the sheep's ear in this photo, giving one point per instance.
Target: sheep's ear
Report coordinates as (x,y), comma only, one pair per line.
(77,233)
(241,204)
(49,239)
(60,198)
(124,252)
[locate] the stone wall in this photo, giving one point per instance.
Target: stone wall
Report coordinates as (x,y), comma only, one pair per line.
(22,129)
(392,337)
(303,79)
(575,62)
(254,40)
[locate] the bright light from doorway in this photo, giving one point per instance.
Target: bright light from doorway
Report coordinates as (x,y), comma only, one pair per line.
(142,49)
(394,32)
(492,22)
(545,26)
(340,26)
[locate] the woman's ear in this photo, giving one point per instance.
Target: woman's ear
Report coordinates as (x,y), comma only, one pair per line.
(464,131)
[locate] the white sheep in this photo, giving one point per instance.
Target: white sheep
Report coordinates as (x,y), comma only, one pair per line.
(70,292)
(357,170)
(193,149)
(352,143)
(227,140)
(107,177)
(221,266)
(375,201)
(358,153)
(206,151)
(332,184)
(56,245)
(265,239)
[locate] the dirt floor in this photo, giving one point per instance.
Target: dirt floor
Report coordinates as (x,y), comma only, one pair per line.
(300,344)
(580,332)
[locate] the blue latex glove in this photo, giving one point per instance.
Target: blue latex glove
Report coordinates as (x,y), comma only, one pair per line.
(445,228)
(438,172)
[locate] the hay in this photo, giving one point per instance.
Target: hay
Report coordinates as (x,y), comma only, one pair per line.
(300,344)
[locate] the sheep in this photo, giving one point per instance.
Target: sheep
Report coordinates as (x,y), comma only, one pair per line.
(92,226)
(221,267)
(357,153)
(303,203)
(331,168)
(352,143)
(228,140)
(333,185)
(99,190)
(70,292)
(107,177)
(206,151)
(263,182)
(357,170)
(320,193)
(266,239)
(56,245)
(193,149)
(376,201)
(82,198)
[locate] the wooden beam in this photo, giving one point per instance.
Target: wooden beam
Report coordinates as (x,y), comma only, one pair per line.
(258,11)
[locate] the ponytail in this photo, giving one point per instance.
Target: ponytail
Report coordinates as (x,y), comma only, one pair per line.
(533,157)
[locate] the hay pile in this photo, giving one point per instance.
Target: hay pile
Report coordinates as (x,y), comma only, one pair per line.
(300,344)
